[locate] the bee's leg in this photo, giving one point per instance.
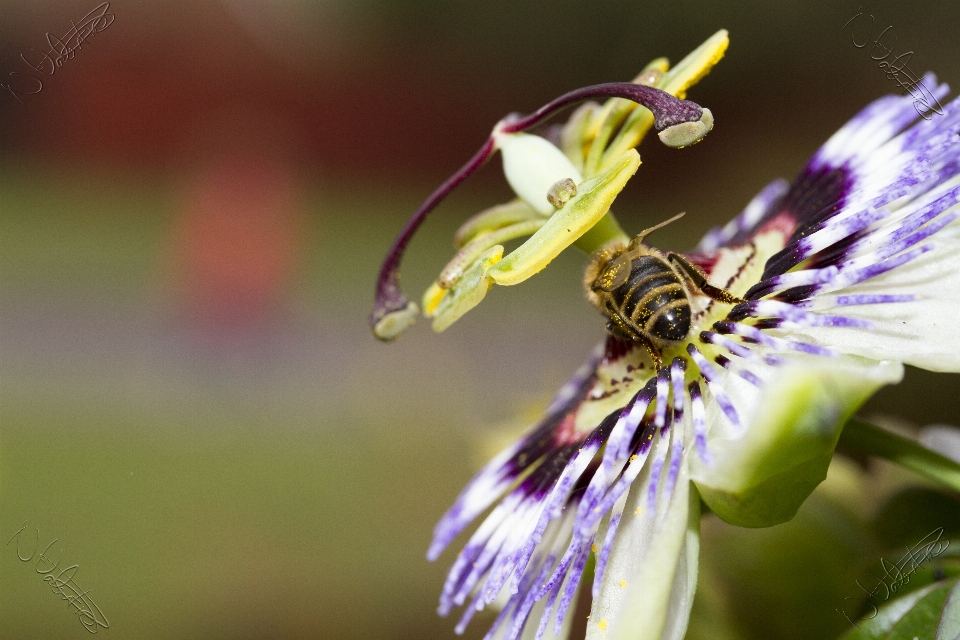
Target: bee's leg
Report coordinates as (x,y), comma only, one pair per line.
(618,329)
(654,352)
(699,278)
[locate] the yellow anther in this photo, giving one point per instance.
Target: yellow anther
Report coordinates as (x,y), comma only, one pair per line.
(576,217)
(696,64)
(431,299)
(467,292)
(676,81)
(476,247)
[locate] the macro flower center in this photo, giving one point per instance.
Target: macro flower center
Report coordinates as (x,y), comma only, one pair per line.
(626,368)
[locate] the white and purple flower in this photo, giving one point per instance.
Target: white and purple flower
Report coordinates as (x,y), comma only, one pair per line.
(848,272)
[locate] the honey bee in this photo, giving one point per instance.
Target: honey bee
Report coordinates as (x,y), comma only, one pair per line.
(645,293)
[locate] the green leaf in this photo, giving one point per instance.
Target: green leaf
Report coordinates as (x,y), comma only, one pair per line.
(949,624)
(931,613)
(881,620)
(922,620)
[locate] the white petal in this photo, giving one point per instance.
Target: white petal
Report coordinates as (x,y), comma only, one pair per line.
(685,576)
(530,629)
(924,332)
(651,575)
(533,165)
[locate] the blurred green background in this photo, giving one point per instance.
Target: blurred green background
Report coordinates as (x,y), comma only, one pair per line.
(192,214)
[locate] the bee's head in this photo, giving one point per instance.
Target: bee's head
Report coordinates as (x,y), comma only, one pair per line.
(609,266)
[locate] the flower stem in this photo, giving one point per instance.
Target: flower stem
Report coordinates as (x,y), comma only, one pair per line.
(907,453)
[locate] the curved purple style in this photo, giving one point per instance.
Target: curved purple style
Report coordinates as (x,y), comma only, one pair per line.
(668,111)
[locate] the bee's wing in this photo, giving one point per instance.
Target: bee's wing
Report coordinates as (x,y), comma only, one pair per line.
(615,274)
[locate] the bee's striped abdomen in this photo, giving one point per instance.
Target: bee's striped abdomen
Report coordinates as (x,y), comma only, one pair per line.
(653,301)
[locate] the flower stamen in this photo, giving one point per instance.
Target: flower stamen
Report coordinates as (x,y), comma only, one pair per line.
(679,123)
(466,256)
(494,218)
(712,378)
(699,415)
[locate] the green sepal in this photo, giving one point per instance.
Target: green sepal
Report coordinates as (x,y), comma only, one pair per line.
(761,478)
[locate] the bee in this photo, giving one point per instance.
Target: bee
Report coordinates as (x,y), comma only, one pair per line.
(645,293)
